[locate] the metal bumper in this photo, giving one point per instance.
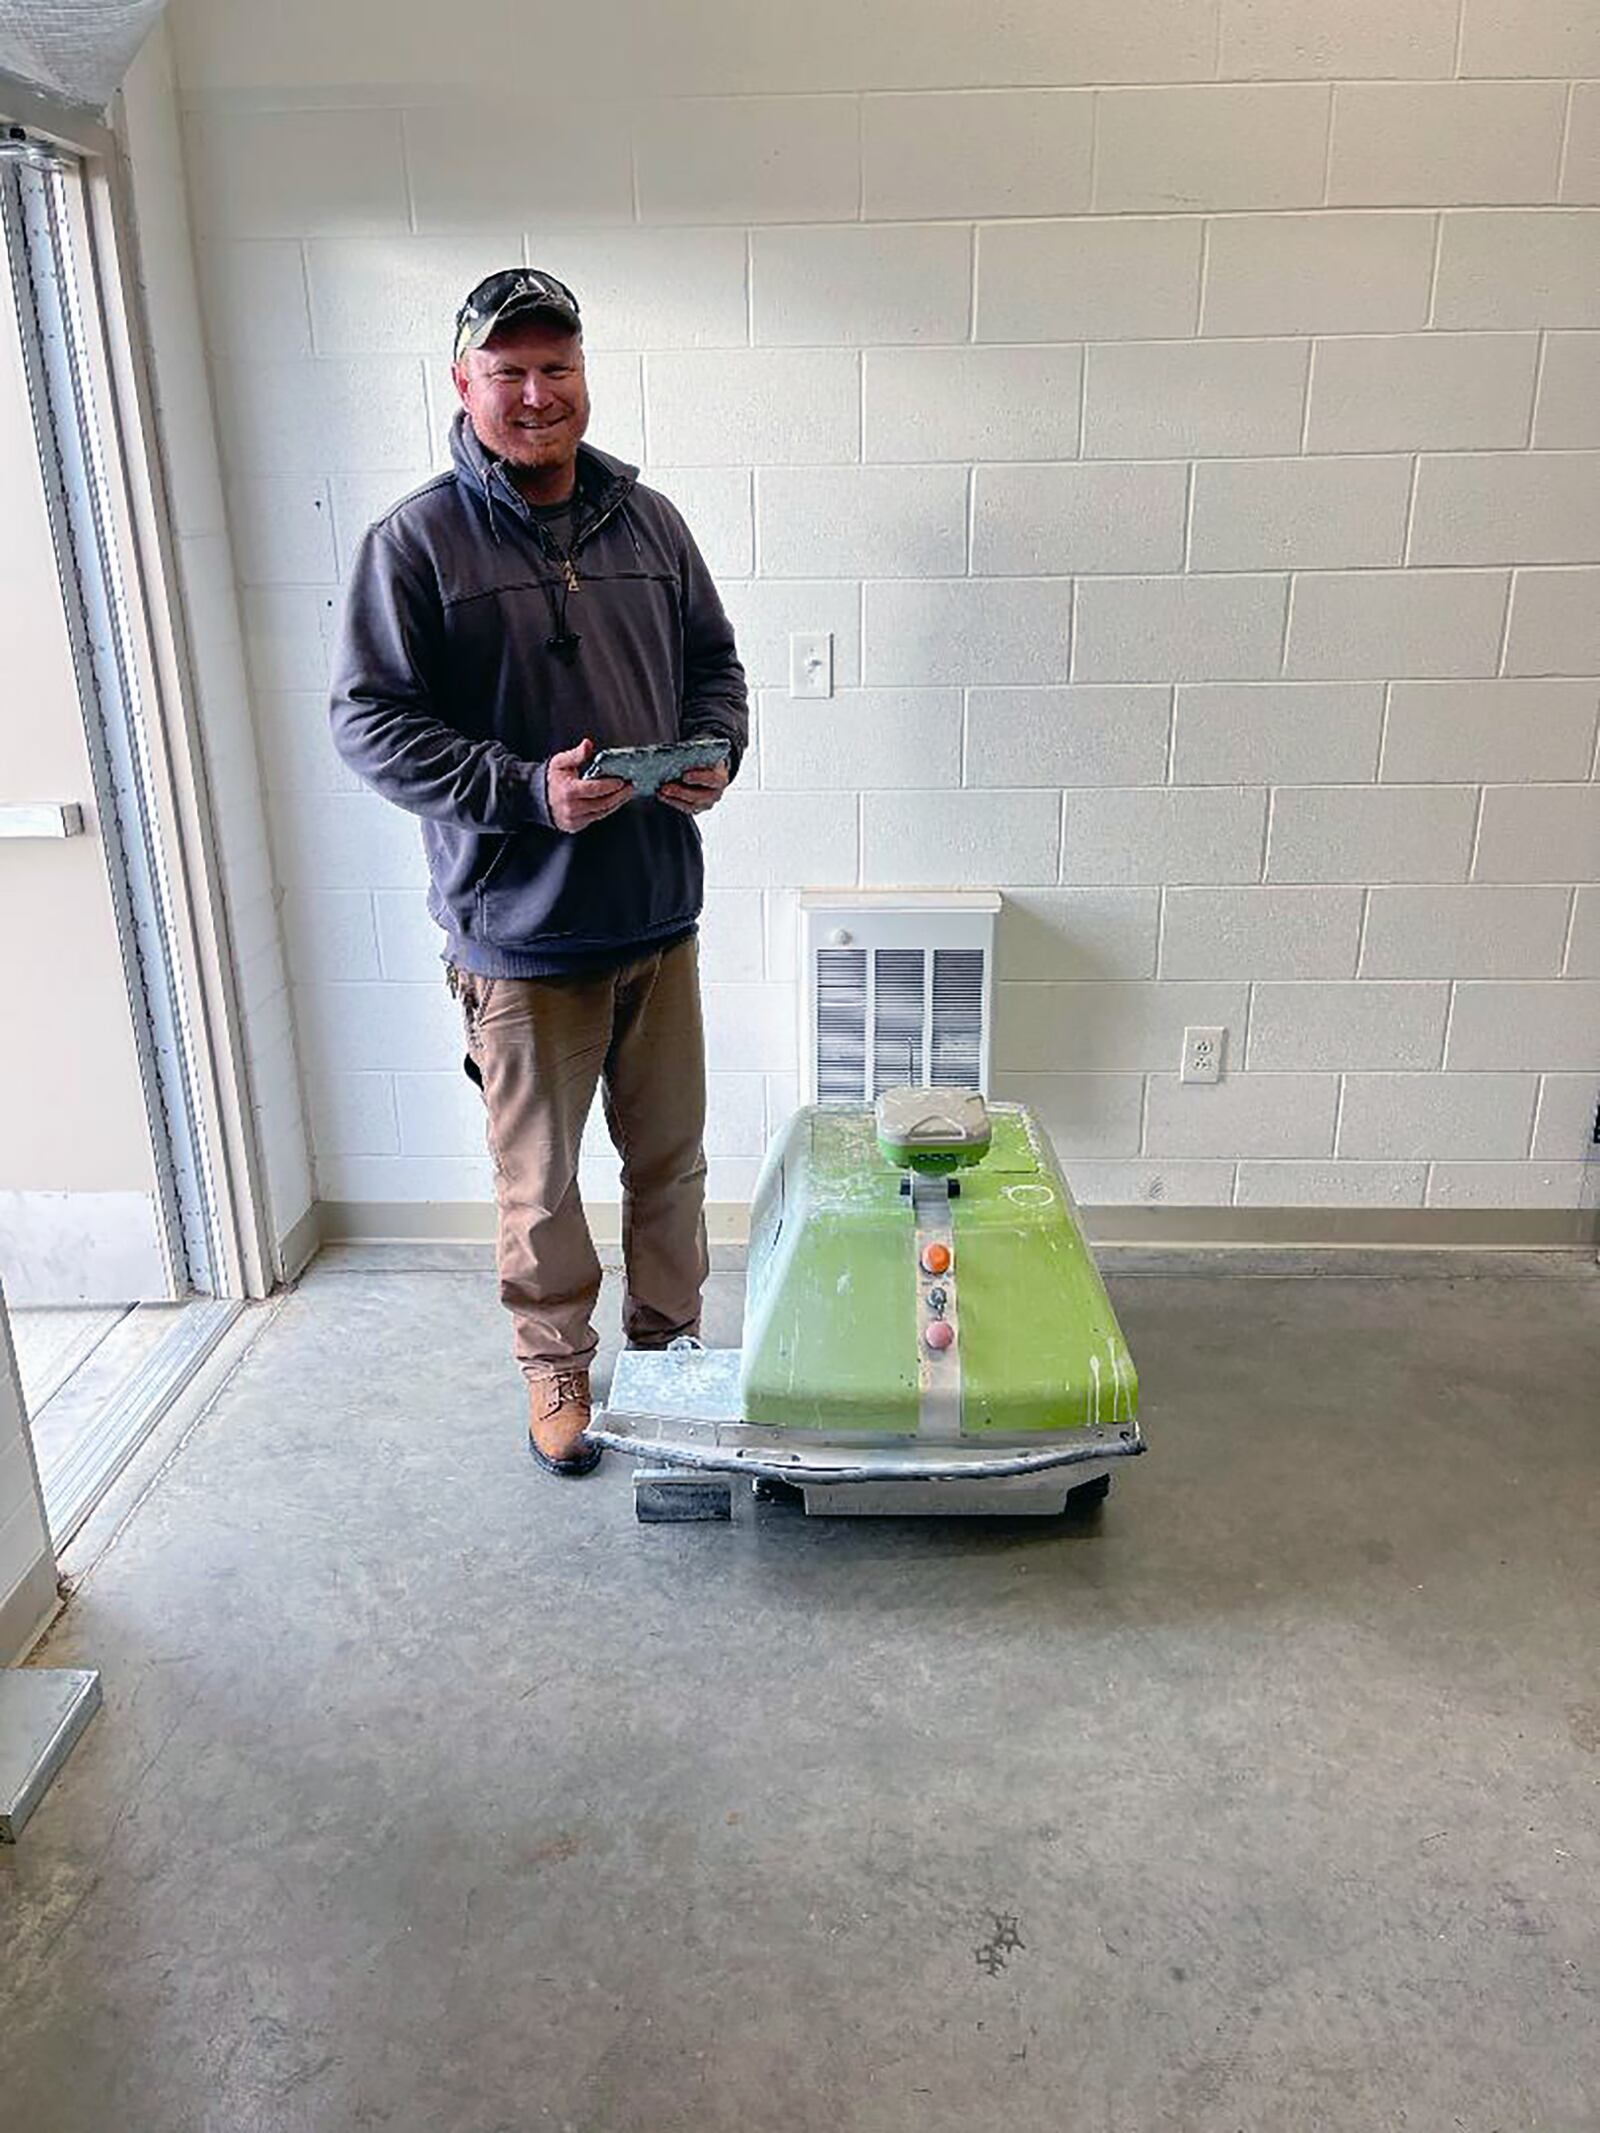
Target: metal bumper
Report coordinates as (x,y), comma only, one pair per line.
(680,1408)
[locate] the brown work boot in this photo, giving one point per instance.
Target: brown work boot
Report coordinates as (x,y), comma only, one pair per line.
(558,1414)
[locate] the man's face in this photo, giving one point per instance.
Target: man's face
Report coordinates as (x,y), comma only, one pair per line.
(526,395)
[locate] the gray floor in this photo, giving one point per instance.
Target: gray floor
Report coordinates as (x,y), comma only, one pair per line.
(433,1794)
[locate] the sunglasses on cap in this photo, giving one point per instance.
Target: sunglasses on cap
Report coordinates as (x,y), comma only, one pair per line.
(515,292)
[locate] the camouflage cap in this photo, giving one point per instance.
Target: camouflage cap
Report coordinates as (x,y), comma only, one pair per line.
(515,292)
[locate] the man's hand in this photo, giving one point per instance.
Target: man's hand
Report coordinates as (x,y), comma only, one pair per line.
(575,802)
(696,790)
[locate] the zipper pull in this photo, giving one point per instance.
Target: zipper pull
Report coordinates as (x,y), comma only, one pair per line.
(572,575)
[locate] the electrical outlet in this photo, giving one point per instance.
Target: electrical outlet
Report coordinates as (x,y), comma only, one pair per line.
(811,663)
(1202,1055)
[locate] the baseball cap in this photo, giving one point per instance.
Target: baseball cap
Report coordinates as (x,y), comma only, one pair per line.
(515,292)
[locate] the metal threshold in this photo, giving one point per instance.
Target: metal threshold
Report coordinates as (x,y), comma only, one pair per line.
(75,1480)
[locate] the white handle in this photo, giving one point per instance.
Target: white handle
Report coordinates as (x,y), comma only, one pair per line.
(56,818)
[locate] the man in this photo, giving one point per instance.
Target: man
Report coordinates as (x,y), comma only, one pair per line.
(502,623)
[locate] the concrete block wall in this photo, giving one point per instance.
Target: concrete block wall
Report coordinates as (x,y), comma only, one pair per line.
(1182,416)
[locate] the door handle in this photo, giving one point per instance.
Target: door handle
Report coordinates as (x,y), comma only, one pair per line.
(54,818)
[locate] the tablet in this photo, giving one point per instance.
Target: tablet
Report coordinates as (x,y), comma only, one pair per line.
(648,769)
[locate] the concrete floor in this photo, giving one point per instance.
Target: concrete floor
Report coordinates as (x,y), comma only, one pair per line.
(435,1795)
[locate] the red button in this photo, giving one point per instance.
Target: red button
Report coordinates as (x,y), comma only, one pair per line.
(936,1258)
(941,1334)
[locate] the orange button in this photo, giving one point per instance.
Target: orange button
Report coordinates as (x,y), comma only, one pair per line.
(936,1258)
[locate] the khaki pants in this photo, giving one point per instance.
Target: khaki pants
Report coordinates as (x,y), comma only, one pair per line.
(538,1048)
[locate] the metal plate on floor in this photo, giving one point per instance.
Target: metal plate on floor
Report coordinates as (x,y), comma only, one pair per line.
(665,1496)
(42,1712)
(698,1385)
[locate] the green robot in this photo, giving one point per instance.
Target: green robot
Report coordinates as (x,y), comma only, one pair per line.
(925,1331)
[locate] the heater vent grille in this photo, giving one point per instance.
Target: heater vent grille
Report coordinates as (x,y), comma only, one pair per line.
(840,1060)
(897,991)
(960,977)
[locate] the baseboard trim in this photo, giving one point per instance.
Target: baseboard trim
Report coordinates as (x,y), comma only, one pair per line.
(299,1248)
(1470,1229)
(469,1222)
(1477,1229)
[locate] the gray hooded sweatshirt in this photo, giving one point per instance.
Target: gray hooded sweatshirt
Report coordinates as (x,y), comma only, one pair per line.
(448,699)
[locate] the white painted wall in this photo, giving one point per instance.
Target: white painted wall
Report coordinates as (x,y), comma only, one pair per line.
(1184,415)
(208,583)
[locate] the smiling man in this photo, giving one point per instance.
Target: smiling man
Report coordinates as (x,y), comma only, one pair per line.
(505,622)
